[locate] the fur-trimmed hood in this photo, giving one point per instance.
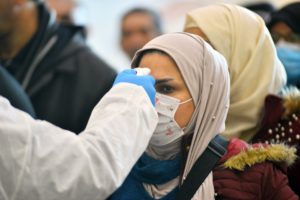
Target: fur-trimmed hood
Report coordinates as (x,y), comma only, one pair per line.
(281,107)
(241,155)
(291,101)
(281,123)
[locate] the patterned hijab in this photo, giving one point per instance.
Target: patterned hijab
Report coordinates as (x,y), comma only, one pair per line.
(205,73)
(255,71)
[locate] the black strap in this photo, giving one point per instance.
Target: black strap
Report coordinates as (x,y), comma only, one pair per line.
(202,167)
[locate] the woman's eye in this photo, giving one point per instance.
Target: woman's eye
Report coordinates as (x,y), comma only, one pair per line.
(164,89)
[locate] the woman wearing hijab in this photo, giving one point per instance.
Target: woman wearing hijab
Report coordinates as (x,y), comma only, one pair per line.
(256,77)
(255,71)
(192,100)
(283,111)
(285,29)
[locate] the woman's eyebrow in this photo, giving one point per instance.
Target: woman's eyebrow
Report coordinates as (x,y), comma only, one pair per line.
(164,80)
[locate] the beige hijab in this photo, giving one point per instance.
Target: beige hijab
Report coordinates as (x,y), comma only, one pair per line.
(255,71)
(206,75)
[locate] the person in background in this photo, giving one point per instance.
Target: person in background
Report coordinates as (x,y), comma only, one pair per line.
(138,26)
(63,78)
(64,9)
(282,111)
(70,12)
(39,161)
(251,55)
(263,9)
(285,29)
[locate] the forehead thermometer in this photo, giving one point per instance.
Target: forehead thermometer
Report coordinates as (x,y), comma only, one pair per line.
(142,71)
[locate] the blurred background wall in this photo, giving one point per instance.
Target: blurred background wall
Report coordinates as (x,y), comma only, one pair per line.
(102,18)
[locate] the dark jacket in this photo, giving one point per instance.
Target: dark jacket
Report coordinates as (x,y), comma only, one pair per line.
(13,91)
(254,173)
(62,76)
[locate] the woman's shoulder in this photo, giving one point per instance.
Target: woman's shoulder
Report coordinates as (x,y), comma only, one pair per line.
(241,155)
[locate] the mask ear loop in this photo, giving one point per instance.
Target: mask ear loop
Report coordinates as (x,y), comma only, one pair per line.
(186,101)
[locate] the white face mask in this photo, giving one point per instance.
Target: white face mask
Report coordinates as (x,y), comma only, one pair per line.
(167,129)
(289,45)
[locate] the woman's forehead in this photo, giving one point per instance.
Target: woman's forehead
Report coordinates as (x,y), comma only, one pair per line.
(161,65)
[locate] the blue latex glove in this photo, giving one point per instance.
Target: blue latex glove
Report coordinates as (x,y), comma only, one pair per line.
(147,82)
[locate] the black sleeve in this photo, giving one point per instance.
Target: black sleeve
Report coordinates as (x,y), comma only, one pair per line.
(13,91)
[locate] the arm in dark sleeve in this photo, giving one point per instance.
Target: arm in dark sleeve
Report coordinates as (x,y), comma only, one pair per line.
(14,92)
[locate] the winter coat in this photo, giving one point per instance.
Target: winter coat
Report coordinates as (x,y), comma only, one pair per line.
(254,172)
(281,123)
(13,91)
(63,78)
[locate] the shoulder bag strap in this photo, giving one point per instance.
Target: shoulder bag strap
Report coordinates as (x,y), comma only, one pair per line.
(202,167)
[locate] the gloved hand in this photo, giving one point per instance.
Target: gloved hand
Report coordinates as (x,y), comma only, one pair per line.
(146,81)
